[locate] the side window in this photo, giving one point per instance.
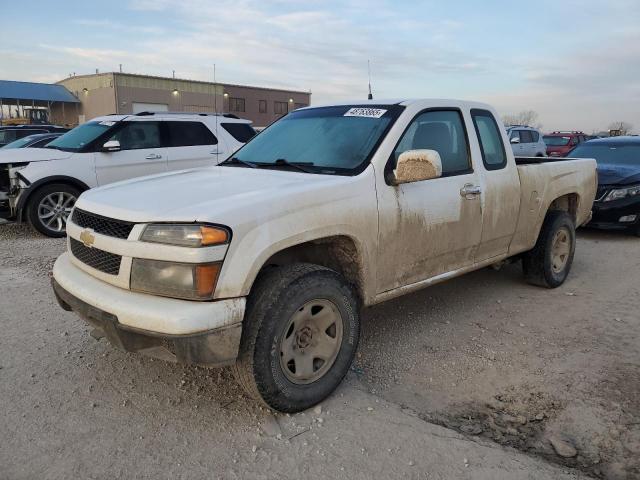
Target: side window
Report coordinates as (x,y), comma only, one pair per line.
(189,134)
(514,134)
(535,136)
(493,154)
(440,130)
(574,141)
(525,136)
(242,132)
(138,135)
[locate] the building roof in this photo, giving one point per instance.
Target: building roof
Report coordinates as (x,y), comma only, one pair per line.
(46,92)
(177,79)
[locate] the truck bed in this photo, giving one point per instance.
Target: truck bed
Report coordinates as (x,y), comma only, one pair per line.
(544,179)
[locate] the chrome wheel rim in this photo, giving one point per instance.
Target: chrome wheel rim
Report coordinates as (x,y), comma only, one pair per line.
(54,210)
(310,342)
(560,250)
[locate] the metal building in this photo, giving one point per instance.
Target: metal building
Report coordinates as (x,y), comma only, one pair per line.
(125,93)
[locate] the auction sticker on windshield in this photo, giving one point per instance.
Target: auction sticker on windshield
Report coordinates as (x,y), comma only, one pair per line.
(365,112)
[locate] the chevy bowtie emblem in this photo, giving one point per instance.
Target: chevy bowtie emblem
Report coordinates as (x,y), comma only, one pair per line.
(87,238)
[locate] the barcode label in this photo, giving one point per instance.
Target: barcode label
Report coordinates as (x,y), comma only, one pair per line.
(365,112)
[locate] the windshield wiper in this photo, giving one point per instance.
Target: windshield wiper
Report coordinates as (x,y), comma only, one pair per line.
(283,162)
(236,161)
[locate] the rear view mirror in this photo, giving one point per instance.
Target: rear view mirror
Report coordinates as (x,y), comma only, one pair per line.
(515,140)
(417,165)
(111,146)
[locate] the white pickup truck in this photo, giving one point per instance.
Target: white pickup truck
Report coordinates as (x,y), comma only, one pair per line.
(265,261)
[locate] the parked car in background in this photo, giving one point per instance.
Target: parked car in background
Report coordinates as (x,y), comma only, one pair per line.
(617,204)
(265,261)
(526,141)
(11,133)
(41,185)
(559,144)
(39,140)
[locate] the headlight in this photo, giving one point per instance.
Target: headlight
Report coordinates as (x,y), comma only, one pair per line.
(619,193)
(185,235)
(178,280)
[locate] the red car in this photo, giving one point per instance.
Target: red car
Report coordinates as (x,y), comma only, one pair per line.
(561,143)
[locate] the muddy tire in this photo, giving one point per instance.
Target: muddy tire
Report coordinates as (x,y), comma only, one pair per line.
(49,207)
(299,337)
(549,263)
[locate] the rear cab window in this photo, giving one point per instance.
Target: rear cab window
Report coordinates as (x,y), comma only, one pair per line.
(242,132)
(494,156)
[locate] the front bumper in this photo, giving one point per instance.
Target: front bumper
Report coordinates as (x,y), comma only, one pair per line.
(204,333)
(608,214)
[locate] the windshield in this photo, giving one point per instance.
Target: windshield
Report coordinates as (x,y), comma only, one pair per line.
(79,137)
(334,140)
(553,141)
(609,154)
(19,143)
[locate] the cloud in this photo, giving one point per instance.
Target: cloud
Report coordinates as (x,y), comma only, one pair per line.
(574,73)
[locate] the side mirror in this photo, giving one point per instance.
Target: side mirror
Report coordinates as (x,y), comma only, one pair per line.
(111,146)
(515,140)
(417,165)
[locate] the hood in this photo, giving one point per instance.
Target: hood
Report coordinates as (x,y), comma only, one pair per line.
(211,194)
(19,155)
(618,174)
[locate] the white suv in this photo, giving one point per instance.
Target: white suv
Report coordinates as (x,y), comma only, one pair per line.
(41,185)
(526,141)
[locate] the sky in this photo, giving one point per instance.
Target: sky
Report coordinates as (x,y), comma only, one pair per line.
(576,63)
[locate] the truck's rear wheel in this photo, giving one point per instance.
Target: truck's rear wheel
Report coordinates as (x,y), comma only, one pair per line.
(300,335)
(549,263)
(49,208)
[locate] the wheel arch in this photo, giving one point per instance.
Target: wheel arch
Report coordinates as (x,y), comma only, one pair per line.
(340,253)
(43,182)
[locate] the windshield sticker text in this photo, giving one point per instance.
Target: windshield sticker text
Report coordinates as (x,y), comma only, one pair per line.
(365,112)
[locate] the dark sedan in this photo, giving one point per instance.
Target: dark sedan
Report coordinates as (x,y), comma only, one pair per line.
(39,140)
(617,204)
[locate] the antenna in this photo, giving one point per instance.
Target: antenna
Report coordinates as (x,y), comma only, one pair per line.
(370,96)
(215,90)
(215,100)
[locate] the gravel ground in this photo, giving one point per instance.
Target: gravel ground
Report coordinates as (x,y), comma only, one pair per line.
(483,377)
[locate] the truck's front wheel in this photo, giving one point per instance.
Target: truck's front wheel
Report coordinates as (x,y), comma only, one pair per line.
(549,263)
(300,335)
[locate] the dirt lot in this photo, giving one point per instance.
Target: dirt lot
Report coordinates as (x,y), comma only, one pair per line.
(468,379)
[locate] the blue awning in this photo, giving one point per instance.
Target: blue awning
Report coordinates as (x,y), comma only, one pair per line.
(27,91)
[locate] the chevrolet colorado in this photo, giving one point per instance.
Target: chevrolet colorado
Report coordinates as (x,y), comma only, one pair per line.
(264,261)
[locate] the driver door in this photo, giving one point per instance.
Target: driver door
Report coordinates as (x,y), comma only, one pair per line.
(141,153)
(430,227)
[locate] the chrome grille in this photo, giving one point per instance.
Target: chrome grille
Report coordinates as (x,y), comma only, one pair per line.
(103,225)
(99,259)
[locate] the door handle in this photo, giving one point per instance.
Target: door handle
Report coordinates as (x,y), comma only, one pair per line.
(470,191)
(153,156)
(214,152)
